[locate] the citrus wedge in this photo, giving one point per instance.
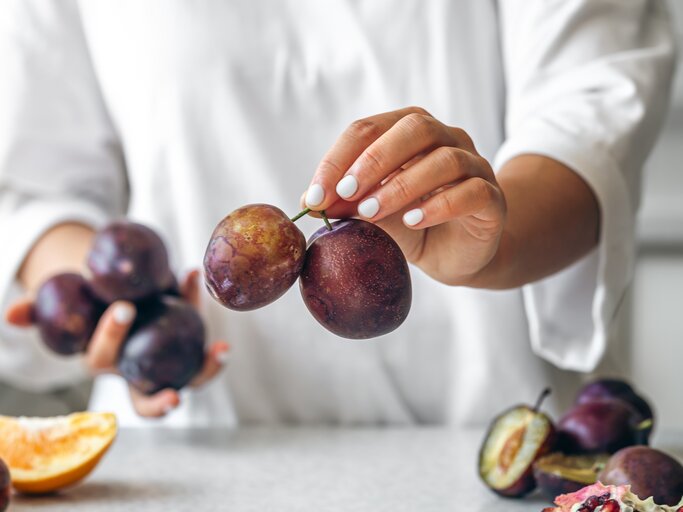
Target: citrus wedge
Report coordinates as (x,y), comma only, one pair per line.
(46,454)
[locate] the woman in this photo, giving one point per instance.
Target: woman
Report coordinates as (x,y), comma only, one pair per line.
(519,171)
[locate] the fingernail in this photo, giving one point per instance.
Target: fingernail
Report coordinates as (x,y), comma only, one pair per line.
(368,208)
(168,408)
(315,195)
(413,217)
(124,313)
(223,357)
(347,186)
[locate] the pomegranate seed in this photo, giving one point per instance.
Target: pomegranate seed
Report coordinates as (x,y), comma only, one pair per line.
(680,509)
(593,502)
(611,506)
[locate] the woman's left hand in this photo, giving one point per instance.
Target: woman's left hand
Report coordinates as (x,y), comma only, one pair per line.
(424,183)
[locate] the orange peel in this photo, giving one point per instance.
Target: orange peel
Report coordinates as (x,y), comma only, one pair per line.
(48,454)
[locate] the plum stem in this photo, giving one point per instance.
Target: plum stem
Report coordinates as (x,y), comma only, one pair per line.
(327,222)
(644,425)
(300,214)
(544,394)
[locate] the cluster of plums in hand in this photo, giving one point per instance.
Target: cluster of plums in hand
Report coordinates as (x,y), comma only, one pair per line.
(602,437)
(127,261)
(353,276)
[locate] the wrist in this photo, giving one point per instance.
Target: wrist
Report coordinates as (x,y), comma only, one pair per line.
(63,248)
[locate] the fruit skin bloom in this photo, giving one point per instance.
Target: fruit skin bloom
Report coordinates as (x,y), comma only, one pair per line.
(237,105)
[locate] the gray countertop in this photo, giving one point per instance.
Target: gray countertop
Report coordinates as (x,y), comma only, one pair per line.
(290,469)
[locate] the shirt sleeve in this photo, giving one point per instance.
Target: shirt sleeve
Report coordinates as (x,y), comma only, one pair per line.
(60,160)
(587,84)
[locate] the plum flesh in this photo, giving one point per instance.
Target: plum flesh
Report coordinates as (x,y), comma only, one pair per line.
(165,348)
(558,473)
(355,280)
(66,313)
(128,261)
(254,256)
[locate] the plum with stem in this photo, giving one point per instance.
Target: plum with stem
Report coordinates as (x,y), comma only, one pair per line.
(517,438)
(254,256)
(355,280)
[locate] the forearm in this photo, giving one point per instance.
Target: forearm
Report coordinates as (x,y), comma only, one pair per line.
(61,249)
(553,219)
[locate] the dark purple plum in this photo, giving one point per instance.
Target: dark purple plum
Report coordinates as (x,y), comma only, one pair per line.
(5,490)
(165,347)
(650,472)
(601,427)
(355,280)
(614,388)
(254,256)
(128,261)
(66,313)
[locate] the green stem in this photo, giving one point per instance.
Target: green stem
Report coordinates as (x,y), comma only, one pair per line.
(543,396)
(300,214)
(327,222)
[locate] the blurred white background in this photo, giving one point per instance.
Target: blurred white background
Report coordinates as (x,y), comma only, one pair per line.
(652,334)
(655,322)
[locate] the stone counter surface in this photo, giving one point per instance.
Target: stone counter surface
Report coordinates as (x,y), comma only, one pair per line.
(291,470)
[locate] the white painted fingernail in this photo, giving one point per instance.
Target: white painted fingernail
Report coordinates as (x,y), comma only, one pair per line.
(223,357)
(315,195)
(413,217)
(347,186)
(124,313)
(368,208)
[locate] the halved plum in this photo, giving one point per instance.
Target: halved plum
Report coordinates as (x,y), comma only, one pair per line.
(517,438)
(558,473)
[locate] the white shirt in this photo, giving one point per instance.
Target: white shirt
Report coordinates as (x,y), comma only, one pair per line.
(176,113)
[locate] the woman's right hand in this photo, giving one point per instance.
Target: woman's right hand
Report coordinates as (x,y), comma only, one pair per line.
(110,333)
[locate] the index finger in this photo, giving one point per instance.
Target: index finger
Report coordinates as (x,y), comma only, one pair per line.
(348,147)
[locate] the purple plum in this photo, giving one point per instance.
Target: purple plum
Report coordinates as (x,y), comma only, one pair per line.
(66,313)
(128,261)
(254,256)
(614,388)
(355,280)
(5,490)
(649,472)
(165,347)
(601,427)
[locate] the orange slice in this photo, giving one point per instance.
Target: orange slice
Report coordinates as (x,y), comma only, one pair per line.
(46,454)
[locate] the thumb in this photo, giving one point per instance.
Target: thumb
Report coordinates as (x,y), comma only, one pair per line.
(20,313)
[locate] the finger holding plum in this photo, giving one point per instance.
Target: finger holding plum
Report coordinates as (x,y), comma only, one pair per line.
(413,175)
